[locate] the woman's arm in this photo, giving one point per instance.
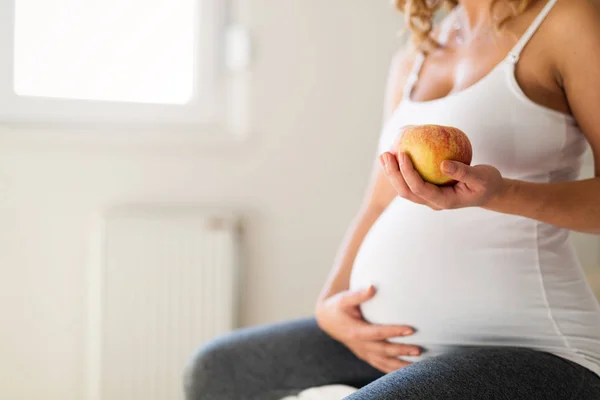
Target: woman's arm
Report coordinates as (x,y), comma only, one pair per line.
(379,192)
(337,310)
(571,205)
(378,196)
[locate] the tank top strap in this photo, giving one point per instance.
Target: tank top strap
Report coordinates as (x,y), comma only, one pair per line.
(443,36)
(446,28)
(414,75)
(515,53)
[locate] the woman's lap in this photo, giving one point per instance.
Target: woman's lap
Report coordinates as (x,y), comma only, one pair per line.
(487,373)
(270,362)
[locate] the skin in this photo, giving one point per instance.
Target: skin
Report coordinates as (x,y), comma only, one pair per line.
(566,81)
(558,69)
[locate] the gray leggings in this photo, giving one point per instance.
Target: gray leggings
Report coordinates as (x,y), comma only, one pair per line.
(274,361)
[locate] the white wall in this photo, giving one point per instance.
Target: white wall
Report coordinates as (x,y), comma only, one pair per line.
(317,85)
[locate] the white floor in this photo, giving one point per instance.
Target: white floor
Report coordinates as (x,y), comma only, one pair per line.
(332,392)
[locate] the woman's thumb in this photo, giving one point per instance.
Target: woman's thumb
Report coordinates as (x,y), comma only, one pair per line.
(459,171)
(356,297)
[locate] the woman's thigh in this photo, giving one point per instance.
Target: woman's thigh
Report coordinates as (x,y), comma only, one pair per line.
(273,361)
(487,373)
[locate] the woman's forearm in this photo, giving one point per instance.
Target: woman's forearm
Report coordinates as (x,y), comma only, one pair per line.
(572,205)
(339,278)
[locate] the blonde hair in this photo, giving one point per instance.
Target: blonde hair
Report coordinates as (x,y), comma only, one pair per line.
(419,15)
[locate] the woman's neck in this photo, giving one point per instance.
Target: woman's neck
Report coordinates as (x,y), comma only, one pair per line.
(476,13)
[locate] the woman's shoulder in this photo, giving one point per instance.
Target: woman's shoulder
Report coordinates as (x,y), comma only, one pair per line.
(573,18)
(399,71)
(572,21)
(576,8)
(572,31)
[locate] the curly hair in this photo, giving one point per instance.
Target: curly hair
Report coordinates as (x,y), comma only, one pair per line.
(419,16)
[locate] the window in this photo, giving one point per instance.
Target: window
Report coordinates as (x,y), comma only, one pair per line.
(112,61)
(139,51)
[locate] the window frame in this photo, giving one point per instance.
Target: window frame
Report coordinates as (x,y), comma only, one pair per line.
(208,108)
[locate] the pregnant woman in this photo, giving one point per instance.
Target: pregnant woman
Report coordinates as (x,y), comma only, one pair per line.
(474,291)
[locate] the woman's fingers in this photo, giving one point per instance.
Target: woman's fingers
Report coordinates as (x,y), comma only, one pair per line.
(416,184)
(388,364)
(461,172)
(384,348)
(384,356)
(398,182)
(370,332)
(392,170)
(393,349)
(354,312)
(353,298)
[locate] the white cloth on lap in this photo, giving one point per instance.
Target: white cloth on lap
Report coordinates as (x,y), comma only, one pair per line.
(330,392)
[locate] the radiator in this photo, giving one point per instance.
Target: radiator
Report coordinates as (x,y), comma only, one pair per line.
(161,283)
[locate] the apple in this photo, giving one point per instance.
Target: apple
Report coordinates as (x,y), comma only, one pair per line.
(428,145)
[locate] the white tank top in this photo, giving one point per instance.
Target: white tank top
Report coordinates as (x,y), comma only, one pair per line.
(476,277)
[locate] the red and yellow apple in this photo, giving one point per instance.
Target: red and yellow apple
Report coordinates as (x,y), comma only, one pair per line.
(428,145)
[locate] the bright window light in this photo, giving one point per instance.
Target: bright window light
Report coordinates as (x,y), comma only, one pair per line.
(140,51)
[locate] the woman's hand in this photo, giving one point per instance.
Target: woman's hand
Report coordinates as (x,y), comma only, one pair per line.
(475,186)
(340,317)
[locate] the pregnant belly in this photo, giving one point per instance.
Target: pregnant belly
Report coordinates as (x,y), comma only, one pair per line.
(462,277)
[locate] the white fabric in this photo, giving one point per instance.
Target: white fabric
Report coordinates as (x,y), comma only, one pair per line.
(477,277)
(332,392)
